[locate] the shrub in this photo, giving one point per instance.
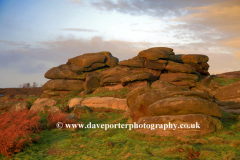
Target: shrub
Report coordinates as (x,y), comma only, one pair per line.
(54,118)
(15,131)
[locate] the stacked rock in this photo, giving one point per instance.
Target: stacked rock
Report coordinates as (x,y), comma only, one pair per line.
(180,108)
(79,72)
(148,66)
(198,61)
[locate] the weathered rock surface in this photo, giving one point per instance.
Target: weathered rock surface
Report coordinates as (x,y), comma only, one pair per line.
(63,85)
(107,102)
(137,77)
(178,67)
(132,63)
(155,53)
(229,92)
(207,124)
(91,82)
(148,66)
(175,77)
(40,103)
(113,75)
(74,101)
(180,79)
(193,58)
(87,59)
(161,84)
(159,105)
(198,68)
(63,72)
(184,105)
(136,84)
(135,93)
(154,65)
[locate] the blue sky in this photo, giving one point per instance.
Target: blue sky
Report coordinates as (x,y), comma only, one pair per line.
(38,35)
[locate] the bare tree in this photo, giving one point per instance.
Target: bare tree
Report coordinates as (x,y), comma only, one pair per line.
(20,86)
(26,85)
(34,85)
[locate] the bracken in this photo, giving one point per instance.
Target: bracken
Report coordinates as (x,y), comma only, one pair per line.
(15,131)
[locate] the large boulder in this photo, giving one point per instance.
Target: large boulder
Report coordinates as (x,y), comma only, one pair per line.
(184,105)
(155,53)
(106,102)
(229,92)
(74,101)
(180,79)
(135,93)
(79,69)
(141,98)
(139,107)
(192,58)
(198,68)
(132,63)
(175,77)
(40,103)
(137,77)
(154,65)
(88,59)
(63,72)
(113,75)
(179,125)
(63,85)
(178,67)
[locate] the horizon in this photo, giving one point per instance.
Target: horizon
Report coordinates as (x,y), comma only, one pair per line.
(39,35)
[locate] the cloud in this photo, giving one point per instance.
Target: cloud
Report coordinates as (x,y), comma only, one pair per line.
(12,42)
(216,24)
(154,8)
(75,47)
(21,64)
(79,29)
(77,1)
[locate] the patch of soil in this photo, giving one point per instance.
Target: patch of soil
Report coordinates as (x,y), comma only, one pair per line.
(21,91)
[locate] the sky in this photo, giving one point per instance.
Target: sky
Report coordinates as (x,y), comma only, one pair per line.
(38,35)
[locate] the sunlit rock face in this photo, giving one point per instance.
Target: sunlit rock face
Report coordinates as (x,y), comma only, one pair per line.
(163,106)
(92,70)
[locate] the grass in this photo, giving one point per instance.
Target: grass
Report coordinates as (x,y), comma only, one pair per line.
(97,143)
(225,81)
(127,144)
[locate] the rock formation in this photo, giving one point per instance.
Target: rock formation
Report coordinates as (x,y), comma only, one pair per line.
(79,72)
(91,70)
(159,63)
(161,106)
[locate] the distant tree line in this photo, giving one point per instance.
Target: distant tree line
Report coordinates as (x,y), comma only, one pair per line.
(28,85)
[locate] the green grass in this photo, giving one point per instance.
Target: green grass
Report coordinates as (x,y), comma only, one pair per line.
(225,81)
(127,144)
